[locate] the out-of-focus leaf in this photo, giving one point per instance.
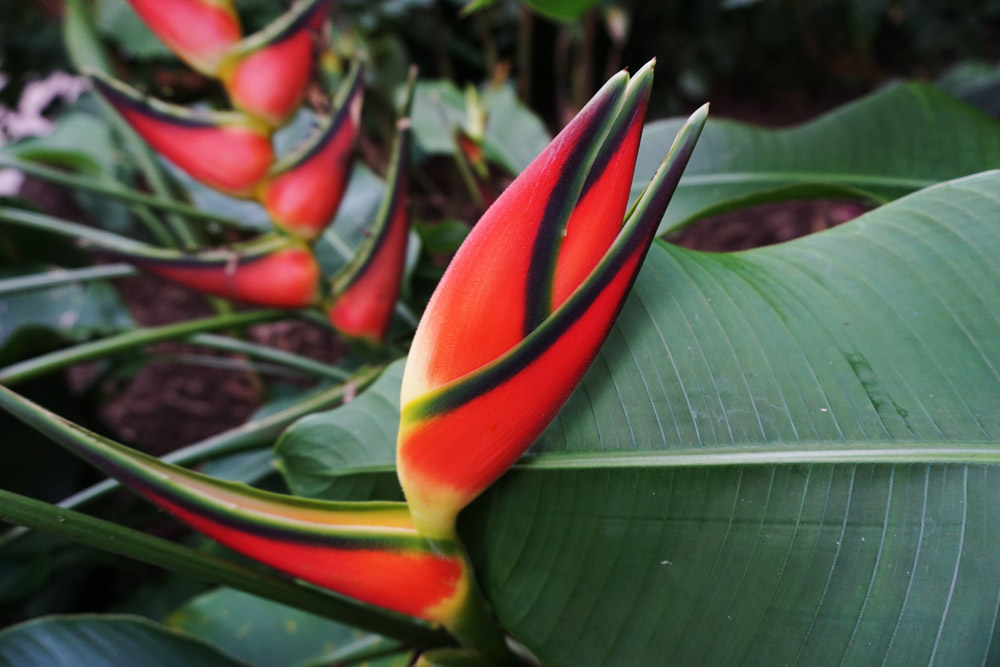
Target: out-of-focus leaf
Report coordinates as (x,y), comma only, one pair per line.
(246,467)
(884,146)
(72,312)
(79,35)
(514,134)
(438,109)
(71,641)
(80,141)
(976,82)
(354,217)
(115,20)
(443,237)
(260,632)
(360,434)
(561,10)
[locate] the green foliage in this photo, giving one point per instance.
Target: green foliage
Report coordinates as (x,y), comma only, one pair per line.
(882,147)
(266,634)
(782,456)
(796,436)
(105,640)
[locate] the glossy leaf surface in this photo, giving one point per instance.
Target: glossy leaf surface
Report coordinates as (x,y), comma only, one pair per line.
(788,455)
(881,147)
(264,633)
(68,641)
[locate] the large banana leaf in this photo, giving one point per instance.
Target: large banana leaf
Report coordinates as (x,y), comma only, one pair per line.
(783,456)
(881,147)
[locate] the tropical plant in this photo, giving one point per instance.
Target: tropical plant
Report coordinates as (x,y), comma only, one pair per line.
(783,455)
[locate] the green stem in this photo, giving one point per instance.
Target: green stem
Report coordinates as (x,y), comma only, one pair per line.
(258,432)
(85,50)
(93,532)
(115,190)
(468,179)
(63,276)
(265,353)
(74,230)
(53,361)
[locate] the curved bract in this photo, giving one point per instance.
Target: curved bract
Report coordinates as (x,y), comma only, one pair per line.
(279,273)
(266,74)
(521,312)
(227,151)
(368,551)
(199,31)
(302,192)
(365,292)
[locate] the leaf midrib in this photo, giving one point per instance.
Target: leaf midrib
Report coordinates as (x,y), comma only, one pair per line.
(982,453)
(803,453)
(801,177)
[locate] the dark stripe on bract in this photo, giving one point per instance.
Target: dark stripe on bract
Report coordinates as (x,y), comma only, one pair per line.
(138,482)
(611,145)
(384,218)
(333,125)
(144,105)
(479,382)
(558,208)
(292,27)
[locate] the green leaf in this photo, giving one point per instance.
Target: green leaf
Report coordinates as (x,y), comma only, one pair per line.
(260,632)
(782,456)
(117,21)
(562,10)
(80,141)
(513,136)
(789,455)
(99,641)
(360,434)
(71,312)
(882,147)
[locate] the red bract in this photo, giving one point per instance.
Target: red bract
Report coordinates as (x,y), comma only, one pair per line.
(267,74)
(365,293)
(226,151)
(275,273)
(199,31)
(523,309)
(302,192)
(368,551)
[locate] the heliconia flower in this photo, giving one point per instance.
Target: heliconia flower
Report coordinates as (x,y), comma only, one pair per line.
(302,191)
(201,32)
(365,291)
(527,302)
(275,272)
(368,551)
(266,74)
(227,151)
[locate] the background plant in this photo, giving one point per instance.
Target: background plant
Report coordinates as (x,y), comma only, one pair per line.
(730,421)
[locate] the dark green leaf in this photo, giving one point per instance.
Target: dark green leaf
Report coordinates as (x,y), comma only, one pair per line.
(361,434)
(72,312)
(104,641)
(882,147)
(562,10)
(782,456)
(260,632)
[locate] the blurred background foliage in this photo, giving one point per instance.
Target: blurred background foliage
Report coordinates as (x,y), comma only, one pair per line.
(788,52)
